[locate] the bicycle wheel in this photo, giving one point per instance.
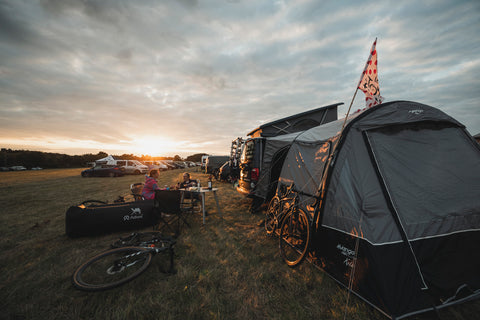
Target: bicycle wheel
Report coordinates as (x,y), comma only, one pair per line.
(112,268)
(271,215)
(294,237)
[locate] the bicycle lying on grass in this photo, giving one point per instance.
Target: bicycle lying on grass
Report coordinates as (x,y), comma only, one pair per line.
(130,257)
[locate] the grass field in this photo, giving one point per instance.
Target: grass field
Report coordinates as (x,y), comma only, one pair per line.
(226,269)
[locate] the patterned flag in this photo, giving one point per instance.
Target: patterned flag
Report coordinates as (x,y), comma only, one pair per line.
(369,80)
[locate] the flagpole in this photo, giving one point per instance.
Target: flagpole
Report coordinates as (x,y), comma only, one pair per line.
(348,112)
(332,154)
(322,183)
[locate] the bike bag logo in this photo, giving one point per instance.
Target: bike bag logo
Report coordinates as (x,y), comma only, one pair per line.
(135,214)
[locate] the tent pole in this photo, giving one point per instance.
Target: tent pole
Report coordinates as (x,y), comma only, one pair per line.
(335,146)
(352,272)
(321,187)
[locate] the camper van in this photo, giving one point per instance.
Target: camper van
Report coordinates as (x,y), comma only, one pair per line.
(277,135)
(250,164)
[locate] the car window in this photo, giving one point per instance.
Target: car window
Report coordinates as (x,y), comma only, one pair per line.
(121,163)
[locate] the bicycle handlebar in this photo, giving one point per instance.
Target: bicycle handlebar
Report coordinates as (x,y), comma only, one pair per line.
(292,188)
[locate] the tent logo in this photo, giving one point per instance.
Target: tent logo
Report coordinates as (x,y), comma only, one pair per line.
(416,112)
(349,255)
(345,251)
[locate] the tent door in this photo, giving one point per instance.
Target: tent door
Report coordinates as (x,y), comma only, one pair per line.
(369,138)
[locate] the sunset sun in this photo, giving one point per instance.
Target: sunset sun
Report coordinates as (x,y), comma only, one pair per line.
(153,146)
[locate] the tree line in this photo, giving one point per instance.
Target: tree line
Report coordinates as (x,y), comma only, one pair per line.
(48,160)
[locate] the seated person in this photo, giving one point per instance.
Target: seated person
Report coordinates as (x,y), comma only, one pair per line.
(151,185)
(187,182)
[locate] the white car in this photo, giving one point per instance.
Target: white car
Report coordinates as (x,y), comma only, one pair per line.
(130,166)
(155,165)
(18,168)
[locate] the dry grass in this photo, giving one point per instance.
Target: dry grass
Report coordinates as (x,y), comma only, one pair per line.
(227,269)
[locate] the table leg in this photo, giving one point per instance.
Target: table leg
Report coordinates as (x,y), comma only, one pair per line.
(203,206)
(218,206)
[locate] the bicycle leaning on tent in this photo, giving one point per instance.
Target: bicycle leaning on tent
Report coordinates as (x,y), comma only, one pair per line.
(129,258)
(278,208)
(295,229)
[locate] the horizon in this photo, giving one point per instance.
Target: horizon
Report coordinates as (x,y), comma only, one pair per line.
(102,153)
(185,77)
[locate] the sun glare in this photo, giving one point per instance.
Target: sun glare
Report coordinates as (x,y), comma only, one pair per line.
(152,146)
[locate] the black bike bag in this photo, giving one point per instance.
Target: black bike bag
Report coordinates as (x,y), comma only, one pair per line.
(92,217)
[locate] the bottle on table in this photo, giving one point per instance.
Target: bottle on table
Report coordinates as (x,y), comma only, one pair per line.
(209,183)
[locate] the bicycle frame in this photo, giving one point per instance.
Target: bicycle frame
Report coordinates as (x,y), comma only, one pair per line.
(290,198)
(130,257)
(150,246)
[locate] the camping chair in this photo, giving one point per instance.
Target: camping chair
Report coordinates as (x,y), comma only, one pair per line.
(171,210)
(136,189)
(191,201)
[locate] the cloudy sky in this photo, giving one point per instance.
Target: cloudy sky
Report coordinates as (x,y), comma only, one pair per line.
(186,76)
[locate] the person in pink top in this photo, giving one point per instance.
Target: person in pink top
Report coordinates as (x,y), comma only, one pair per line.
(151,184)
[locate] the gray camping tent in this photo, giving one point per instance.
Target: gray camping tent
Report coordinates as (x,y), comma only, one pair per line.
(403,185)
(279,135)
(273,157)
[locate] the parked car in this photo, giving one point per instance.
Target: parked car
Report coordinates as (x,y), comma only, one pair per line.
(18,168)
(131,166)
(168,163)
(155,165)
(214,163)
(224,172)
(104,170)
(180,164)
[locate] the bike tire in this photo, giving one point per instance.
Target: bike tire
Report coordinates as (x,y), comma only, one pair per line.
(294,237)
(271,215)
(112,268)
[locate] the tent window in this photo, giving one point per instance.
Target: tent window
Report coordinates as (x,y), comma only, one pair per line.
(304,124)
(426,169)
(304,166)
